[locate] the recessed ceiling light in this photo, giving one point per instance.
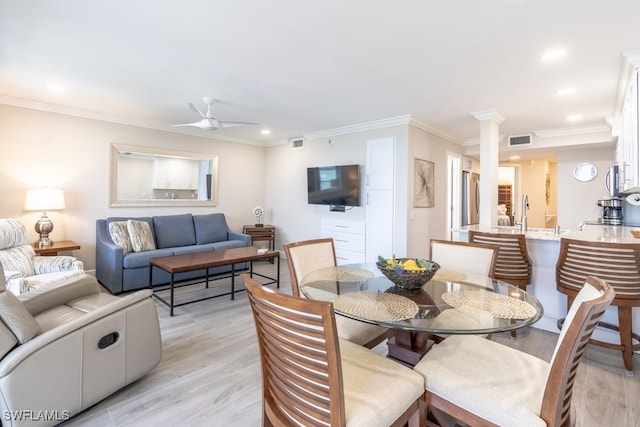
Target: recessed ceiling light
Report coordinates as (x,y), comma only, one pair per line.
(55,88)
(566,91)
(265,132)
(553,54)
(574,117)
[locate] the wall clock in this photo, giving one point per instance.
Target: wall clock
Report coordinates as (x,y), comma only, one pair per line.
(585,172)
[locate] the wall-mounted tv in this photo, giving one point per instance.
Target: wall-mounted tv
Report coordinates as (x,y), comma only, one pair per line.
(334,185)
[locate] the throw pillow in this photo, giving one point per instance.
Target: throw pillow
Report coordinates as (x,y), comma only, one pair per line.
(17,318)
(120,235)
(141,236)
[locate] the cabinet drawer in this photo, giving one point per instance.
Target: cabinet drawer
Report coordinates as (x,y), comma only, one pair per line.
(348,241)
(348,257)
(332,226)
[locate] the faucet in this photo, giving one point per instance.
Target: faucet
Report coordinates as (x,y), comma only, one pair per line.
(525,206)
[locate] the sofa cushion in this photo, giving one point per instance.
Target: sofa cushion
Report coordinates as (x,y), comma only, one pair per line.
(141,236)
(119,233)
(142,259)
(17,318)
(210,228)
(174,230)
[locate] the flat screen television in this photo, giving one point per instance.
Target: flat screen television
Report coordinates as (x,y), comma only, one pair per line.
(334,185)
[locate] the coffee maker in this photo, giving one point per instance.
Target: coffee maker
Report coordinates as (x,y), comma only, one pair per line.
(611,211)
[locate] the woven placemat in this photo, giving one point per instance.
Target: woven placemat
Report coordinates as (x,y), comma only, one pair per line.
(443,275)
(374,305)
(499,306)
(341,274)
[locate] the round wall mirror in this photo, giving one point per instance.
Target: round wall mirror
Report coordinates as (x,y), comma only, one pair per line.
(585,172)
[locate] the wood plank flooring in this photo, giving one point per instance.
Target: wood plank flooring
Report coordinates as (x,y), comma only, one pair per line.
(210,372)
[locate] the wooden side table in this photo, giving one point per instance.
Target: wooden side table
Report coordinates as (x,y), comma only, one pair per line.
(266,233)
(57,246)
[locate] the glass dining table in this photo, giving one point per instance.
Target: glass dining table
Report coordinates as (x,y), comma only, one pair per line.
(452,302)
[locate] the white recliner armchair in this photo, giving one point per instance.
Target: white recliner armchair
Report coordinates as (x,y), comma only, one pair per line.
(23,269)
(65,348)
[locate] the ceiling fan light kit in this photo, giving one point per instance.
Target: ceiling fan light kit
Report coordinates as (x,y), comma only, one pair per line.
(210,123)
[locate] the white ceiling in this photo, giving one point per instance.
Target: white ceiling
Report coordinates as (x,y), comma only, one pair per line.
(300,67)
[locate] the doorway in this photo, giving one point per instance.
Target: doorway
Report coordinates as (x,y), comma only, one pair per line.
(454,197)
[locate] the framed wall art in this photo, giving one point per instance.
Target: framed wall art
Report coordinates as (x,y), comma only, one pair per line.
(422,183)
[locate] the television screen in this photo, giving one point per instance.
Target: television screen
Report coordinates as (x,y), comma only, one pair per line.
(334,185)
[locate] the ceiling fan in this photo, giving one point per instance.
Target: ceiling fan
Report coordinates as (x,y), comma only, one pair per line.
(209,122)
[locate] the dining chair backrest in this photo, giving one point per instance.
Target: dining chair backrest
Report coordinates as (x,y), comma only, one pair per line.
(475,258)
(584,314)
(513,264)
(619,265)
(300,356)
(306,256)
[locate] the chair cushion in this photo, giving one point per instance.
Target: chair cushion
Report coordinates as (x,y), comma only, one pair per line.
(174,230)
(141,236)
(12,233)
(491,380)
(210,228)
(356,331)
(119,234)
(18,259)
(377,390)
(17,318)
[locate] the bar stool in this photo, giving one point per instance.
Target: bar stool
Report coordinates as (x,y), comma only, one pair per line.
(619,265)
(513,264)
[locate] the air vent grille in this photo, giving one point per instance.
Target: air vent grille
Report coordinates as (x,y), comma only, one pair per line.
(297,143)
(519,140)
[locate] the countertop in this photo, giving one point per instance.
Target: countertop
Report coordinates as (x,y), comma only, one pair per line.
(593,233)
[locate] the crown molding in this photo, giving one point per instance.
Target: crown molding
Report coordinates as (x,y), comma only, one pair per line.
(425,127)
(551,133)
(360,127)
(492,115)
(93,115)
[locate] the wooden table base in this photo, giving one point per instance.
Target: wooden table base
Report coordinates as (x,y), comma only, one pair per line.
(408,347)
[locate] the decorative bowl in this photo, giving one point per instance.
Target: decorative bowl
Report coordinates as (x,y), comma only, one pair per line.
(408,279)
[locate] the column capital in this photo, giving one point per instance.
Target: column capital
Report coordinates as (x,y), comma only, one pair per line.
(492,115)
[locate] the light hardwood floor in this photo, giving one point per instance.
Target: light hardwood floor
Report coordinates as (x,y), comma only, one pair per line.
(210,373)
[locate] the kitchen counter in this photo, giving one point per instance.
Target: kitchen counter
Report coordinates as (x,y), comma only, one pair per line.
(543,246)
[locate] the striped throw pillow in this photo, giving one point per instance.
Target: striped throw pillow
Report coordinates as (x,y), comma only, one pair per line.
(140,235)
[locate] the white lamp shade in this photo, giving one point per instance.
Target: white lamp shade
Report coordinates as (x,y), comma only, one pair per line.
(44,199)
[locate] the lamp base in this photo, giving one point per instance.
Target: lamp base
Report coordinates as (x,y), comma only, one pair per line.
(43,227)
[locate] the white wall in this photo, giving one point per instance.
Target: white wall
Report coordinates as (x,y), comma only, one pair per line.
(286,183)
(41,148)
(577,200)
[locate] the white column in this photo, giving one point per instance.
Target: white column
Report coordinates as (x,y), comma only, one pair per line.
(489,139)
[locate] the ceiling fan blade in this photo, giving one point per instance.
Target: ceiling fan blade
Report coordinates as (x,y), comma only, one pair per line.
(231,123)
(196,109)
(204,124)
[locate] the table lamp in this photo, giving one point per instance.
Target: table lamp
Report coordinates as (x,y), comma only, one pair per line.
(44,199)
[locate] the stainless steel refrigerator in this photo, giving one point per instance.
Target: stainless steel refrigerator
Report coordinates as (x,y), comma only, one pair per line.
(470,198)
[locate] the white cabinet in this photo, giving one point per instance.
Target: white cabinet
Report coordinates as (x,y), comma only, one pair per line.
(380,196)
(348,238)
(178,174)
(627,155)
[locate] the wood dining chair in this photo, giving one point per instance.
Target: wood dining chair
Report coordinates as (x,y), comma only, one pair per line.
(307,256)
(310,377)
(484,383)
(513,264)
(474,258)
(618,264)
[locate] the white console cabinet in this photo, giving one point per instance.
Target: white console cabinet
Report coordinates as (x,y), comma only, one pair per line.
(348,239)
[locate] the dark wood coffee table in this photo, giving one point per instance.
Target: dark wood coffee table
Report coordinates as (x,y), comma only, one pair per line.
(206,260)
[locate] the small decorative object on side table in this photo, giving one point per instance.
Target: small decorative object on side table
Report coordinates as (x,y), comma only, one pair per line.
(258,212)
(57,246)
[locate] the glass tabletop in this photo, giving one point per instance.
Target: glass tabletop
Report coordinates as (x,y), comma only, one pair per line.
(452,302)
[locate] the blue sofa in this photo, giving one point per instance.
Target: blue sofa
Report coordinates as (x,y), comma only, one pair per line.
(173,235)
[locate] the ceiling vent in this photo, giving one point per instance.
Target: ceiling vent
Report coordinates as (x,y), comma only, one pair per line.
(519,140)
(297,143)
